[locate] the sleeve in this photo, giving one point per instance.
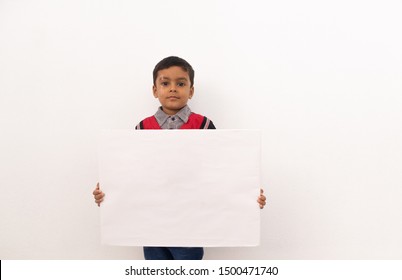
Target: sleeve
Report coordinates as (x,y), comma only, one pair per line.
(207,124)
(140,125)
(211,125)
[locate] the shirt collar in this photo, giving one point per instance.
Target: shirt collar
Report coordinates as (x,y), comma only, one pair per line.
(183,114)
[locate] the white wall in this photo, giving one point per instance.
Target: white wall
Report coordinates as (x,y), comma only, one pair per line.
(321,78)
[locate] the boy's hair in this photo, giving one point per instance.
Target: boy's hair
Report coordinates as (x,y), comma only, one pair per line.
(174,61)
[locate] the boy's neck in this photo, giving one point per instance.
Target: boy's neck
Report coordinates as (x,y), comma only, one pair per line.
(171,112)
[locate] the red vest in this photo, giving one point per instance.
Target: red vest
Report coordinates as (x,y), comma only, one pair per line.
(195,121)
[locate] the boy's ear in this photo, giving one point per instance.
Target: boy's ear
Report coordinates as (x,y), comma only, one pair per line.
(191,92)
(154,91)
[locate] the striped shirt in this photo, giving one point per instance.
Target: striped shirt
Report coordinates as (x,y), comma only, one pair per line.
(172,122)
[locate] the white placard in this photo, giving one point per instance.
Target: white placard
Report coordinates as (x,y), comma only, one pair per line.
(180,187)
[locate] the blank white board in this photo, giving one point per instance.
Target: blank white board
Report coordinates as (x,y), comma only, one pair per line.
(180,187)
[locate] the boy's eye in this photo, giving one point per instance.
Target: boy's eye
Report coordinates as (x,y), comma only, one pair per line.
(164,83)
(181,84)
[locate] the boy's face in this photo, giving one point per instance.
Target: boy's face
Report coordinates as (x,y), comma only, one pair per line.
(172,88)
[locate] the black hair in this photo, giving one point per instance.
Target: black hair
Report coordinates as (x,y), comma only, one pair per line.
(174,61)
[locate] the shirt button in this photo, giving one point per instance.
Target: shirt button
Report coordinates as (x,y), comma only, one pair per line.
(173,119)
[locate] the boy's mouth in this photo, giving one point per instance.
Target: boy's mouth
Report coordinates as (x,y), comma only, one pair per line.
(173,97)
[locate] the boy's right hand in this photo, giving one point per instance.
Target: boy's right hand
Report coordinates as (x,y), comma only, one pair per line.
(98,195)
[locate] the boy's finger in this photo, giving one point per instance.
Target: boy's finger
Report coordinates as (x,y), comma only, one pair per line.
(261,191)
(97,186)
(99,195)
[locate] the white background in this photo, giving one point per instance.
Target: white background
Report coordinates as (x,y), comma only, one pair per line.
(321,78)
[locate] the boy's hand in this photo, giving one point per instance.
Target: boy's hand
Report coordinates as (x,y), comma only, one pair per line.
(98,195)
(261,199)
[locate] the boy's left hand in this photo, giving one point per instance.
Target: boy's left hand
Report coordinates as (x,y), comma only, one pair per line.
(261,199)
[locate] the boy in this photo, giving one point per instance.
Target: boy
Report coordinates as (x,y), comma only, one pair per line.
(173,85)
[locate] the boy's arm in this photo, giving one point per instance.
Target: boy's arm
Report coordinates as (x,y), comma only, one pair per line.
(210,123)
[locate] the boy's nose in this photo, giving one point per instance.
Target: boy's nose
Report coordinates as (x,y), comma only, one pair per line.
(173,89)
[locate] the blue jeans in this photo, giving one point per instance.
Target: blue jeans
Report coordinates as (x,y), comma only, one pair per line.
(173,253)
